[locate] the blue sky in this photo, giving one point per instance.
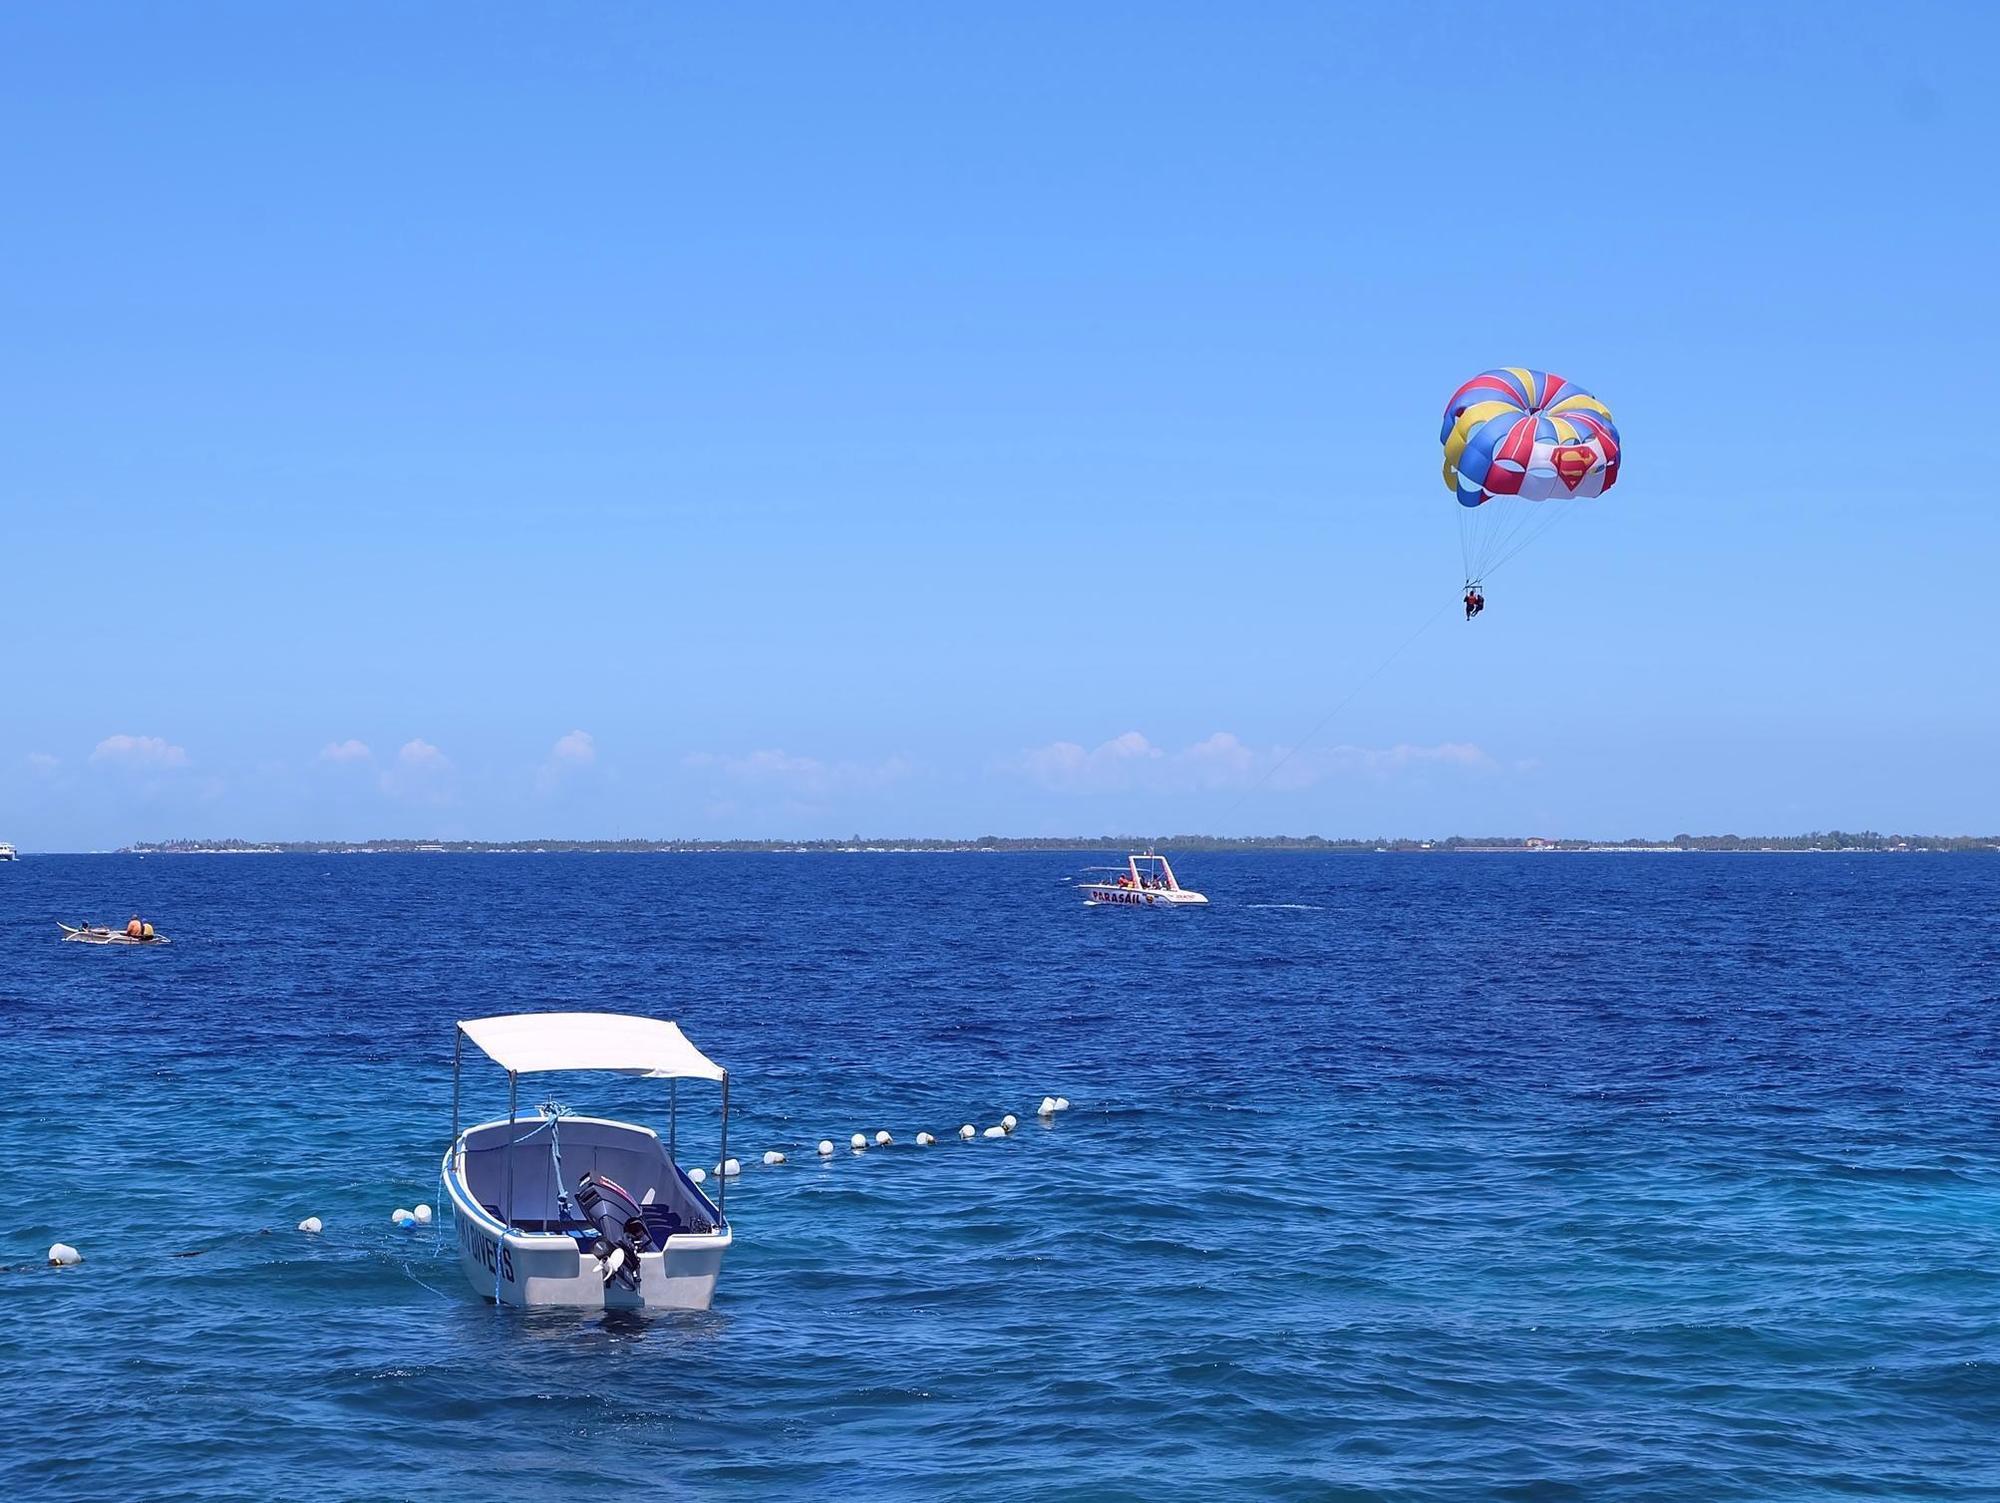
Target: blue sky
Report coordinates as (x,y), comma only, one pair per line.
(495,421)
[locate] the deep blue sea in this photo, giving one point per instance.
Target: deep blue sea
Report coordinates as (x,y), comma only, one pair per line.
(1403,1177)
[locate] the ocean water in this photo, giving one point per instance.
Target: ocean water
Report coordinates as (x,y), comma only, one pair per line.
(1402,1177)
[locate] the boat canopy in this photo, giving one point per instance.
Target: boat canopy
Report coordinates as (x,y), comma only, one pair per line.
(522,1043)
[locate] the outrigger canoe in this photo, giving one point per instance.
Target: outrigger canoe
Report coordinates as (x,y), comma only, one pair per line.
(83,934)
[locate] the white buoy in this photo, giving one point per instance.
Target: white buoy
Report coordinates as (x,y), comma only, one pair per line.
(423,1215)
(772,1156)
(312,1224)
(1010,1121)
(403,1217)
(731,1168)
(825,1147)
(968,1131)
(996,1132)
(62,1255)
(857,1142)
(1048,1108)
(883,1140)
(924,1140)
(698,1175)
(1062,1103)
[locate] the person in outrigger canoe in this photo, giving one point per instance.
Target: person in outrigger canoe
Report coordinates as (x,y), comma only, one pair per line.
(137,929)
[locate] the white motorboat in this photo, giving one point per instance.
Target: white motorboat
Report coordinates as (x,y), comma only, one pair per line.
(7,852)
(554,1209)
(1146,880)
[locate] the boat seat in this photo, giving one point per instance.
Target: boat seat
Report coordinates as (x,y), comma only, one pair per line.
(662,1222)
(574,1225)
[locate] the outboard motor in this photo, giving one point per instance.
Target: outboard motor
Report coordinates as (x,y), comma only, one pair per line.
(621,1227)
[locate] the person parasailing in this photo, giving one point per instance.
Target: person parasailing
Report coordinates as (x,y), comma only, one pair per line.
(1474,601)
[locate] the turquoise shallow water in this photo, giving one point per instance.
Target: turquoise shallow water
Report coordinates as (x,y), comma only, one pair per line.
(1397,1177)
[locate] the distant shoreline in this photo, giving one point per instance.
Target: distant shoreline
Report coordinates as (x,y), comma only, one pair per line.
(1825,842)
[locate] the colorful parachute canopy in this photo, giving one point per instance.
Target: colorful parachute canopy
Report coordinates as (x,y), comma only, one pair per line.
(1517,432)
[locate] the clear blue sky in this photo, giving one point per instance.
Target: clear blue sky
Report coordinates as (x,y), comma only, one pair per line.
(802,403)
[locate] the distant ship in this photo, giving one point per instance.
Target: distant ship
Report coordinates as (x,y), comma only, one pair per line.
(7,852)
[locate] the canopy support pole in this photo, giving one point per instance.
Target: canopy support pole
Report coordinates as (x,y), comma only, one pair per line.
(721,1169)
(673,1118)
(457,1056)
(507,1209)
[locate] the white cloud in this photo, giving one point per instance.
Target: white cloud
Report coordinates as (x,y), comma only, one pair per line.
(800,777)
(349,750)
(573,753)
(138,751)
(1065,764)
(1131,763)
(420,771)
(420,753)
(43,763)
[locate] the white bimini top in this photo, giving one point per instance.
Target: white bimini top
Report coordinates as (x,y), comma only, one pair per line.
(525,1042)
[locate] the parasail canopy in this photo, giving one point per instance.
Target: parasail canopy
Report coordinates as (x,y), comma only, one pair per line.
(1515,434)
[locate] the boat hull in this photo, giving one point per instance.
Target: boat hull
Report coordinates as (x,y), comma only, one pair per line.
(1111,894)
(543,1269)
(532,1271)
(116,937)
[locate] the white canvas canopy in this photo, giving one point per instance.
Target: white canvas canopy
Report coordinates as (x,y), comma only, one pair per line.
(523,1043)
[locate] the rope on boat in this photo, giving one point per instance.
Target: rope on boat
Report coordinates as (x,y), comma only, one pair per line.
(552,1114)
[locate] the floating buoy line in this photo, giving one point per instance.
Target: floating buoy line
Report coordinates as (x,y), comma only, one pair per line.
(858,1143)
(411,1218)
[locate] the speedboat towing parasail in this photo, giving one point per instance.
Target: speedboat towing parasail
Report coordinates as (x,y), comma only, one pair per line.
(1146,880)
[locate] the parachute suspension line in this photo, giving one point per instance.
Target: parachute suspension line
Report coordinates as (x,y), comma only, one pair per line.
(1511,516)
(1342,703)
(1520,516)
(1542,529)
(1526,523)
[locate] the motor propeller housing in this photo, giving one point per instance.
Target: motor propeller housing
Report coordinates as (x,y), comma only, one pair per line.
(621,1226)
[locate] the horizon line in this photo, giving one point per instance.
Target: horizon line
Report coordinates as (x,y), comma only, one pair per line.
(1831,839)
